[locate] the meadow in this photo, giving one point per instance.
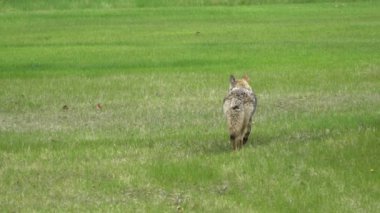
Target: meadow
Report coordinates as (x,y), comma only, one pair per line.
(118,108)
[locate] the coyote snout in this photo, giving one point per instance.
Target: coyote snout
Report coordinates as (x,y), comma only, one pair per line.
(239,106)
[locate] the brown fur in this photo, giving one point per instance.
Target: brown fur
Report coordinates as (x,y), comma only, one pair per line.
(239,106)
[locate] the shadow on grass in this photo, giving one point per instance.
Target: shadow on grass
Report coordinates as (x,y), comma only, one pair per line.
(216,145)
(221,145)
(212,147)
(260,139)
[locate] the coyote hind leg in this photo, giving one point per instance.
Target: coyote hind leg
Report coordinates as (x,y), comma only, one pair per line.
(233,141)
(240,143)
(236,142)
(247,131)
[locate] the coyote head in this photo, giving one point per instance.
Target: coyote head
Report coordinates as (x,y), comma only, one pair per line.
(239,83)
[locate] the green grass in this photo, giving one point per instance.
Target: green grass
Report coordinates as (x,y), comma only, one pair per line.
(160,141)
(25,5)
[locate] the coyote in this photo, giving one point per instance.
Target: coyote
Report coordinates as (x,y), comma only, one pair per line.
(239,106)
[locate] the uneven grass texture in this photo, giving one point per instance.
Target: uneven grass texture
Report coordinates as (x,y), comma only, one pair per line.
(158,140)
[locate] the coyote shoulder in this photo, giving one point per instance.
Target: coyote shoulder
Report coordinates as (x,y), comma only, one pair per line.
(239,106)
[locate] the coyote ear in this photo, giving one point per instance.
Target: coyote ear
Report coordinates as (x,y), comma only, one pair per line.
(232,80)
(246,78)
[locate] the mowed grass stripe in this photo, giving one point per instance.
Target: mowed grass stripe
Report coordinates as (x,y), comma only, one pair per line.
(242,37)
(159,140)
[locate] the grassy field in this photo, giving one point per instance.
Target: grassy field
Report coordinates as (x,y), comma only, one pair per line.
(159,141)
(25,5)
